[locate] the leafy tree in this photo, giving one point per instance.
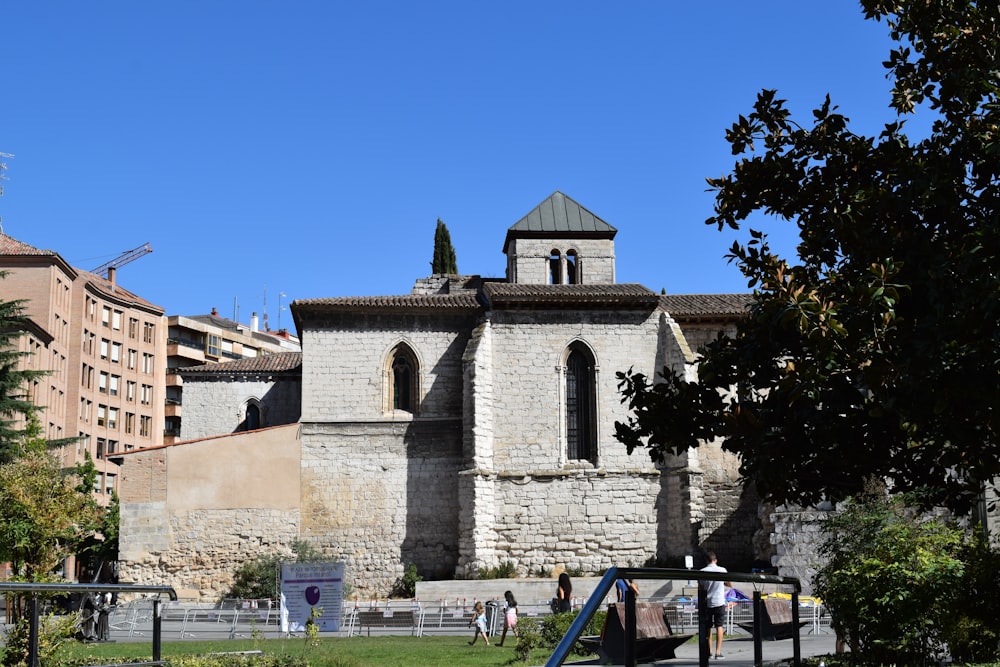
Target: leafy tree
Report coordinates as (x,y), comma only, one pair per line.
(444,253)
(878,353)
(14,402)
(43,517)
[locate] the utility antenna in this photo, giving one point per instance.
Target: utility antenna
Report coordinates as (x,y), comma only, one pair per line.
(3,168)
(123,259)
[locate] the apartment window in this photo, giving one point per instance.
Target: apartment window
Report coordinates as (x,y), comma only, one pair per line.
(91,308)
(102,415)
(85,407)
(129,423)
(112,417)
(89,338)
(147,362)
(132,356)
(105,348)
(148,332)
(147,395)
(109,483)
(213,346)
(129,390)
(112,447)
(87,377)
(133,328)
(102,385)
(101,445)
(106,316)
(113,383)
(116,320)
(116,352)
(145,425)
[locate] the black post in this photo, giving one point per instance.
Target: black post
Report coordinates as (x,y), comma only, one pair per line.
(758,646)
(630,623)
(33,631)
(796,648)
(704,648)
(156,629)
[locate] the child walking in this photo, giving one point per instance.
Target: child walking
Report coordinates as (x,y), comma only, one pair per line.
(509,616)
(479,618)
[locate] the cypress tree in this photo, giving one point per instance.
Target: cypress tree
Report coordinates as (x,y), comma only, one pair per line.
(444,253)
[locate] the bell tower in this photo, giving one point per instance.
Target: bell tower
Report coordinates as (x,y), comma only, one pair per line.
(560,243)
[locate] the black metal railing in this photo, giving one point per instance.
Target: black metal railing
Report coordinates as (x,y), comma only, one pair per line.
(34,590)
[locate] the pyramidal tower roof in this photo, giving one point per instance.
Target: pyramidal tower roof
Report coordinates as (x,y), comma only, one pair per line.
(559,216)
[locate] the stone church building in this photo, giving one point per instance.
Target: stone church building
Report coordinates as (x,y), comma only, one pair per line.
(465,425)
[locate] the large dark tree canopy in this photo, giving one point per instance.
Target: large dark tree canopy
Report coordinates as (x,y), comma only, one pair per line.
(877,352)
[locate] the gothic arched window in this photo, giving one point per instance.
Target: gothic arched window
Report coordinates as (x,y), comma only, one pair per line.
(253,417)
(581,405)
(403,375)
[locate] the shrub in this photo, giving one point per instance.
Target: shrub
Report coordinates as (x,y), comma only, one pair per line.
(53,632)
(505,570)
(971,630)
(890,578)
(406,585)
(555,627)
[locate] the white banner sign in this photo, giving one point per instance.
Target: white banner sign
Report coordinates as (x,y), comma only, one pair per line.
(311,586)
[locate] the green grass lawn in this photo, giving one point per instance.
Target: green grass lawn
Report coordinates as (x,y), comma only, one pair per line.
(383,651)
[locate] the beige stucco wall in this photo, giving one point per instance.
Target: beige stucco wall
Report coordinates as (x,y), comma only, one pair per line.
(192,512)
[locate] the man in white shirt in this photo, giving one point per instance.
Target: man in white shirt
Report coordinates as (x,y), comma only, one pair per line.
(715,599)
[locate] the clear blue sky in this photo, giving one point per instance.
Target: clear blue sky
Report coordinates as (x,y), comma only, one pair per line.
(309,147)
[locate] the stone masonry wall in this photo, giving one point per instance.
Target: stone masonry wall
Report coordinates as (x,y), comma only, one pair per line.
(580,520)
(797,536)
(595,259)
(380,495)
(198,552)
(214,405)
(344,377)
(529,352)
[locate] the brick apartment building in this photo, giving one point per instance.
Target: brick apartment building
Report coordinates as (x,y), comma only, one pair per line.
(104,349)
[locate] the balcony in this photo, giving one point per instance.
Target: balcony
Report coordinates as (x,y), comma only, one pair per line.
(186,349)
(172,408)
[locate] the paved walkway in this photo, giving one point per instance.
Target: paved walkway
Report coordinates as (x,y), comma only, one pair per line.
(739,651)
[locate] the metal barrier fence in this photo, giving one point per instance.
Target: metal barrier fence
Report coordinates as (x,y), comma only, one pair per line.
(243,618)
(34,592)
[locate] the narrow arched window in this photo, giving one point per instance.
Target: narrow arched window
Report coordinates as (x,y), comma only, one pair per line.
(572,272)
(555,267)
(581,408)
(403,375)
(253,417)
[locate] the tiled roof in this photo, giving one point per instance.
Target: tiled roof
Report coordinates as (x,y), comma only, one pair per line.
(621,295)
(268,363)
(404,302)
(705,306)
(11,246)
(116,291)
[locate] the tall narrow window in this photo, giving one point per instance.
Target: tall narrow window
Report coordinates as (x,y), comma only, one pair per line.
(572,272)
(403,374)
(581,426)
(555,267)
(253,416)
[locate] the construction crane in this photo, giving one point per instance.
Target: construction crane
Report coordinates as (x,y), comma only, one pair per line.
(123,259)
